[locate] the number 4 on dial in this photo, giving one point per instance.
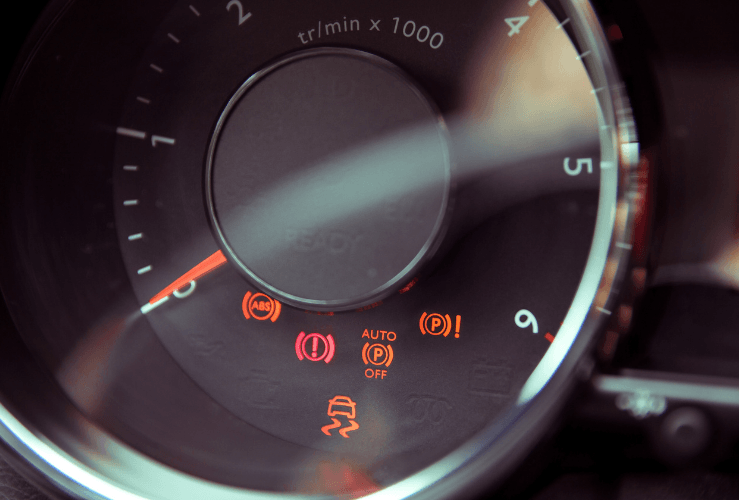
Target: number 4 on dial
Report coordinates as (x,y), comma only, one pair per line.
(515,23)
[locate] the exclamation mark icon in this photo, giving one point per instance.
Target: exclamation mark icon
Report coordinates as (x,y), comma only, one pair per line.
(315,347)
(457,326)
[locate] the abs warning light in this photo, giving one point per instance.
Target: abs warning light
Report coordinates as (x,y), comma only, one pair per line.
(437,324)
(315,347)
(260,307)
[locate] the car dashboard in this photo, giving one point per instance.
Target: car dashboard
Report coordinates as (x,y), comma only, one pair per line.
(385,249)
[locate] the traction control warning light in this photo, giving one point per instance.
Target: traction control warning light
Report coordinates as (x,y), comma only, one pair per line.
(344,406)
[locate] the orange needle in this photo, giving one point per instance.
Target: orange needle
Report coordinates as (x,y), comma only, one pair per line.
(214,261)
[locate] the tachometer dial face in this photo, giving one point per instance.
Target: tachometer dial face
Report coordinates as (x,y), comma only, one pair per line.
(371,230)
(324,178)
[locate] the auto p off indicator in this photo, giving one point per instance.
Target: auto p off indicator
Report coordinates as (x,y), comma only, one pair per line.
(380,354)
(377,354)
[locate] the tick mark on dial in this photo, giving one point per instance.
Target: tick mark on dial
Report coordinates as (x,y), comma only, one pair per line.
(135,237)
(173,38)
(194,11)
(164,140)
(129,132)
(144,270)
(143,99)
(156,68)
(130,203)
(130,168)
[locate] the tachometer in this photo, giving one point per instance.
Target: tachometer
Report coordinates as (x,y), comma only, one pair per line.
(379,236)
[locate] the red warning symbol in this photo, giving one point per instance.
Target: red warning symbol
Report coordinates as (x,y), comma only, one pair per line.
(315,347)
(261,307)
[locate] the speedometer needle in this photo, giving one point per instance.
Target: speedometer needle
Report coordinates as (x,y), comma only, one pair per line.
(209,264)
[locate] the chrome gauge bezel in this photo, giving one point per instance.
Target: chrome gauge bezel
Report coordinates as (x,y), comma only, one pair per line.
(68,452)
(502,445)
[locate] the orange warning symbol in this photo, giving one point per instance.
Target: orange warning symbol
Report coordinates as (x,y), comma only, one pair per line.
(436,324)
(261,307)
(377,354)
(341,405)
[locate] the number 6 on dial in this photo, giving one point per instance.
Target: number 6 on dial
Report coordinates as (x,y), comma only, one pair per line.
(524,318)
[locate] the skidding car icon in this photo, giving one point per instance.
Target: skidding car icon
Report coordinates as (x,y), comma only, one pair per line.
(341,405)
(343,401)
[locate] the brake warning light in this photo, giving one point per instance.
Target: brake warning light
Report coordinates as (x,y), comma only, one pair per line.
(315,347)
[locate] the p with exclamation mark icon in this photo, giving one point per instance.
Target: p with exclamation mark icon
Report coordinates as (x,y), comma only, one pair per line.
(437,324)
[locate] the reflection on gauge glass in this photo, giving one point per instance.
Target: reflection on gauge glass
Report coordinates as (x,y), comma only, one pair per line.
(327,184)
(371,233)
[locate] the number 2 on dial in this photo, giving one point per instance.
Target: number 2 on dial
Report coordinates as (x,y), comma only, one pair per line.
(240,8)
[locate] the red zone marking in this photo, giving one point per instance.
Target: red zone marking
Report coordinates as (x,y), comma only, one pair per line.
(549,337)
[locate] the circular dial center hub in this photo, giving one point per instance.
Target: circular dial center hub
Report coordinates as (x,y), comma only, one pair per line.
(328,179)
